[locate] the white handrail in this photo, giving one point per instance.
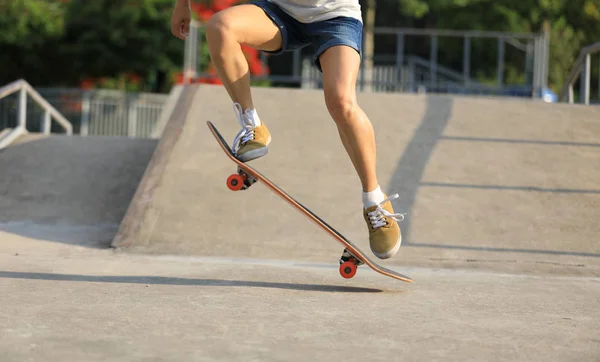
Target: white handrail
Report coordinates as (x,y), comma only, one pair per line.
(49,111)
(582,64)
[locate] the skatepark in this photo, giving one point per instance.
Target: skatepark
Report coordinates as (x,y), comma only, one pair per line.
(128,249)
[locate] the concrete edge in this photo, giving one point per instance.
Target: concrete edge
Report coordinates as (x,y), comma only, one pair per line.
(4,132)
(11,135)
(168,110)
(133,220)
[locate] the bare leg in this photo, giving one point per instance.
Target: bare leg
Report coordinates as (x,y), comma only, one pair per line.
(226,30)
(340,66)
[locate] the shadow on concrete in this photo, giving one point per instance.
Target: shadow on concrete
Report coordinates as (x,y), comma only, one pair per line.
(505,250)
(509,140)
(515,188)
(72,190)
(154,280)
(406,179)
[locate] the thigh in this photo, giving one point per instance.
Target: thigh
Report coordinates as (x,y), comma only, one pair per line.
(340,65)
(341,31)
(250,25)
(292,31)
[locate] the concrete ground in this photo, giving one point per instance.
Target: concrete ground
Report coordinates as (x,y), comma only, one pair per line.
(501,238)
(68,303)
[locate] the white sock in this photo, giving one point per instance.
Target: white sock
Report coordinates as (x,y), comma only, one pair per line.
(254,117)
(372,198)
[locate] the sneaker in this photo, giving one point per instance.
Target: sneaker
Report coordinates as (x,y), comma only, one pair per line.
(252,141)
(384,233)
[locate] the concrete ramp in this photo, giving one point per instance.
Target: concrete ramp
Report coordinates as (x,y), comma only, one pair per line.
(503,184)
(72,190)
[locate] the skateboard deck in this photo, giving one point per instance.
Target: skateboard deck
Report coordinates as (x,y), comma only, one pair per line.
(352,256)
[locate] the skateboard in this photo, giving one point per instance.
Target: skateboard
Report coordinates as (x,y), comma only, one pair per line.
(351,257)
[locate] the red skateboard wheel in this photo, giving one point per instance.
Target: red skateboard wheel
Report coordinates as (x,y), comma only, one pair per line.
(235,182)
(348,269)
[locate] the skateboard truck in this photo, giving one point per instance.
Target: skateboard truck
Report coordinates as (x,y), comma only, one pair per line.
(348,264)
(240,180)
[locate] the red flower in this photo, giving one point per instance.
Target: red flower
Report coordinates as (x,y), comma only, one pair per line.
(204,13)
(218,5)
(87,83)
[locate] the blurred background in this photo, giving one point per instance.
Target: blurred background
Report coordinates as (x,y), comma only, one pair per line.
(108,66)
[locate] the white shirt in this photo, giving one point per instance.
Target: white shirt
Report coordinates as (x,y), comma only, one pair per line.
(310,11)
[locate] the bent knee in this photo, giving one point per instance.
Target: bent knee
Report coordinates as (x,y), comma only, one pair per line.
(220,25)
(340,104)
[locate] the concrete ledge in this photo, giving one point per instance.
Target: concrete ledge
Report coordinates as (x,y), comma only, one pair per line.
(136,215)
(168,109)
(10,135)
(506,185)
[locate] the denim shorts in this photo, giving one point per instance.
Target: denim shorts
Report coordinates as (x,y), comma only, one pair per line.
(321,35)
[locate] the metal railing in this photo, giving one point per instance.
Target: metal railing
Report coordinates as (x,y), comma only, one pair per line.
(395,70)
(535,46)
(116,113)
(50,113)
(93,112)
(411,77)
(582,70)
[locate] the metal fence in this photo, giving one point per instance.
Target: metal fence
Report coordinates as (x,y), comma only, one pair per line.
(92,112)
(582,72)
(399,67)
(24,91)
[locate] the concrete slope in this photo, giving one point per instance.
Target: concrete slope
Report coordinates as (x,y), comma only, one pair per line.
(72,190)
(500,184)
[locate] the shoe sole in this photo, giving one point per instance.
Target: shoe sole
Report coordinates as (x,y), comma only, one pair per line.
(392,252)
(254,154)
(257,153)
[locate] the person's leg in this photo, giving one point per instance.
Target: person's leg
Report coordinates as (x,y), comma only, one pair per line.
(226,31)
(257,25)
(340,65)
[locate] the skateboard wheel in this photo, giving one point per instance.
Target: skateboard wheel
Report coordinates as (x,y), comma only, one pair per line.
(347,269)
(235,182)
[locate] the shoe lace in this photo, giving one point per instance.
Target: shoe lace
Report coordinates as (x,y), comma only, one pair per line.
(377,216)
(247,132)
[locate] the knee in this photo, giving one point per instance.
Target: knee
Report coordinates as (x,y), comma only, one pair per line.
(219,26)
(341,104)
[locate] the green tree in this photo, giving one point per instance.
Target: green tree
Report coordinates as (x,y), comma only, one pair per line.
(572,25)
(30,28)
(30,22)
(108,38)
(60,43)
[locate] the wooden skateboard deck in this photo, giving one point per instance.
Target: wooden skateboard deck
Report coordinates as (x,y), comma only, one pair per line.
(248,175)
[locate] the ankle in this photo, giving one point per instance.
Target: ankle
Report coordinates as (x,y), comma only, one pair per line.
(253,115)
(373,197)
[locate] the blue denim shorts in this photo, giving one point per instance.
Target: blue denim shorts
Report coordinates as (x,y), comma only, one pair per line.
(321,35)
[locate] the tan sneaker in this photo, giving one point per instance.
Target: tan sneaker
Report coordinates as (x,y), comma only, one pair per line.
(384,233)
(252,141)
